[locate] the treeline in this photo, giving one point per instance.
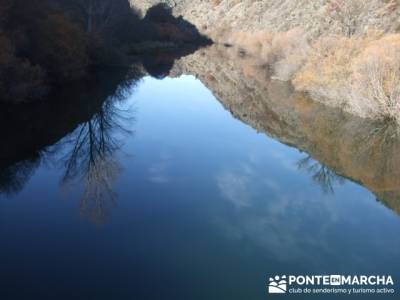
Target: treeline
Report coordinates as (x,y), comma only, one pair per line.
(47,42)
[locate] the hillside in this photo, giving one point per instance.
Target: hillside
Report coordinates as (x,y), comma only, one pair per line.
(316,17)
(342,145)
(345,54)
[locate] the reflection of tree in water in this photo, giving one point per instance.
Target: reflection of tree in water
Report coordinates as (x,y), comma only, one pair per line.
(381,136)
(91,159)
(13,178)
(321,174)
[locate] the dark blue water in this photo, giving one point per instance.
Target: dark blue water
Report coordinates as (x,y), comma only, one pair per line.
(176,199)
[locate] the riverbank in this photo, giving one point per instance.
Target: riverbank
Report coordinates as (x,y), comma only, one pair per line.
(346,146)
(345,54)
(359,74)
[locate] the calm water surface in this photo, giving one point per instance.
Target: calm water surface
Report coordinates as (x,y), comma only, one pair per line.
(165,195)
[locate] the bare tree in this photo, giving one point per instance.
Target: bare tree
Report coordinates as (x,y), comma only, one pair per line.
(91,160)
(98,197)
(377,76)
(322,175)
(383,86)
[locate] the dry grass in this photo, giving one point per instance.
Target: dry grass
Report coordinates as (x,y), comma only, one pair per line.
(361,74)
(288,53)
(376,75)
(347,14)
(328,63)
(284,52)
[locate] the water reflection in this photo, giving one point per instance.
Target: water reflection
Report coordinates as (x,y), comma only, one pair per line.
(81,129)
(89,129)
(14,178)
(90,158)
(87,154)
(204,192)
(338,144)
(322,175)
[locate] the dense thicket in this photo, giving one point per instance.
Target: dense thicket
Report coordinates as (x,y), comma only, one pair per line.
(43,42)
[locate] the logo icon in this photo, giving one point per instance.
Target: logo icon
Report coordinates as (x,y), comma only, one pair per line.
(336,280)
(277,285)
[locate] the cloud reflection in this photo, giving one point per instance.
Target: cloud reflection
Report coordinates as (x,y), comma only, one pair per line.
(273,217)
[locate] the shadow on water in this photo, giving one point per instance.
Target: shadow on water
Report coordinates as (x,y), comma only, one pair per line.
(80,129)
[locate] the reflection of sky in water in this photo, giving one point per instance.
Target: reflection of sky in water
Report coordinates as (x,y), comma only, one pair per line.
(205,205)
(252,185)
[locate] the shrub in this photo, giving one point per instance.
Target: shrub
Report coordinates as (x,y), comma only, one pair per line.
(288,53)
(376,75)
(361,74)
(19,79)
(284,52)
(61,47)
(347,14)
(328,63)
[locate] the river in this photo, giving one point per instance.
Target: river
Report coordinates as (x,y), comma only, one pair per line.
(200,182)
